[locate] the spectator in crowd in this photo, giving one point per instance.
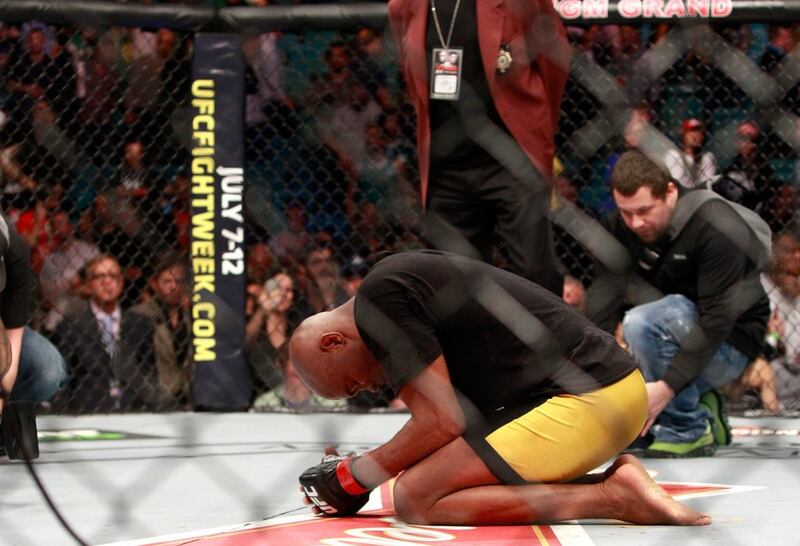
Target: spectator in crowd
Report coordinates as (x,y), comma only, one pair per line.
(777,376)
(264,77)
(720,96)
(399,144)
(290,242)
(699,312)
(272,322)
(342,105)
(354,273)
(36,370)
(81,45)
(98,104)
(168,309)
(61,93)
(370,62)
(325,288)
(748,178)
(117,231)
(465,140)
(14,179)
(334,82)
(134,179)
(141,93)
(632,136)
(9,38)
(380,179)
(178,209)
(109,349)
(34,225)
(782,283)
(370,230)
(31,76)
(781,42)
(60,277)
(690,165)
(783,205)
(259,263)
(291,394)
(137,193)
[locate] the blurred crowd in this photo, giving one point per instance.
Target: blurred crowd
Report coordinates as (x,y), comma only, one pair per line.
(94,135)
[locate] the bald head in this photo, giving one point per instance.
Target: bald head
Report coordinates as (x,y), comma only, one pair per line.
(330,356)
(306,353)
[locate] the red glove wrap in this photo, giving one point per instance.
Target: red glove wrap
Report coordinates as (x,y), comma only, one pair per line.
(346,478)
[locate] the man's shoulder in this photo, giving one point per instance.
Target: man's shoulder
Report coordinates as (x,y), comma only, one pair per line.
(398,266)
(147,309)
(136,322)
(716,212)
(78,316)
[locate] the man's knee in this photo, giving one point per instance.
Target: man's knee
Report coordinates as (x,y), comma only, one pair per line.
(52,378)
(410,502)
(636,326)
(43,370)
(670,316)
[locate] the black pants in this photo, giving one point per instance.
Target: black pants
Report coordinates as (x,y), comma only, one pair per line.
(469,207)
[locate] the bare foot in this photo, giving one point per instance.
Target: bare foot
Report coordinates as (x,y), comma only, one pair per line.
(637,498)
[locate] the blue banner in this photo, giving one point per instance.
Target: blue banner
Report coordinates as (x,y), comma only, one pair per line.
(221,379)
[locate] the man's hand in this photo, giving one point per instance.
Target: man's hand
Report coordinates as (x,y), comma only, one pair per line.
(658,396)
(332,488)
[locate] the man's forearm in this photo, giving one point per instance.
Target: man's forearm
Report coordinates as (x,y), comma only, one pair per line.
(436,420)
(415,441)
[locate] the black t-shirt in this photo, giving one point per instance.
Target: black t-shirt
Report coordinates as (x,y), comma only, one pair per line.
(704,263)
(508,342)
(451,145)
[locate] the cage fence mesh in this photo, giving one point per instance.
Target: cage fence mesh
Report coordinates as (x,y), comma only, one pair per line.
(96,128)
(94,162)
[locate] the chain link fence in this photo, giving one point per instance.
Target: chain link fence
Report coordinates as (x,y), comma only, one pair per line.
(94,170)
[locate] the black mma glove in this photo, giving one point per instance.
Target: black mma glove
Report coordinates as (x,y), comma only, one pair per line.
(332,487)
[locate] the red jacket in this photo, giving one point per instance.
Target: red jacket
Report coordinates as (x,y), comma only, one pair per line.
(527,97)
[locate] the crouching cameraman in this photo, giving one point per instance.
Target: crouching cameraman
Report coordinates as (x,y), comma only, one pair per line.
(41,370)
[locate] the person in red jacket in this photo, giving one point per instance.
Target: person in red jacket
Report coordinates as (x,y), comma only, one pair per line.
(486,124)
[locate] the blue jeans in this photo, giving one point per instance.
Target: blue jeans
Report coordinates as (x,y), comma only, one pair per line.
(653,332)
(42,370)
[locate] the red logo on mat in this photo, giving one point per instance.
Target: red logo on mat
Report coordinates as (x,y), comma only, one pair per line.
(376,530)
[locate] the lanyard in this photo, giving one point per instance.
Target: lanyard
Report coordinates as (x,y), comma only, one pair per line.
(446,44)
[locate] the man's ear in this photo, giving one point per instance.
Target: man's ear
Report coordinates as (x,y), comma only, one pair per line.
(330,341)
(672,192)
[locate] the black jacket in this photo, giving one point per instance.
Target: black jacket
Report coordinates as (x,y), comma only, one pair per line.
(702,263)
(92,371)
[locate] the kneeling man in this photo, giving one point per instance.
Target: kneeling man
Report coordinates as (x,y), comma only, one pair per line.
(514,397)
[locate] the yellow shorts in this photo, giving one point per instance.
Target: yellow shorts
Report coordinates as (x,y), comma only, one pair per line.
(571,434)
